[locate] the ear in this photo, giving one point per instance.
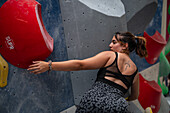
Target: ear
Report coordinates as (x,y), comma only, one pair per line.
(125,46)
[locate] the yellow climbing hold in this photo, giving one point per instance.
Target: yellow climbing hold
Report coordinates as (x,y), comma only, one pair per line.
(3,72)
(148,110)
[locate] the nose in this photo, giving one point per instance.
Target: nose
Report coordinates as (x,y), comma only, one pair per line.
(110,45)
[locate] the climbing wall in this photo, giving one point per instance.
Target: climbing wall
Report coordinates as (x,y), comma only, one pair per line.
(89,27)
(83,15)
(44,93)
(80,29)
(89,32)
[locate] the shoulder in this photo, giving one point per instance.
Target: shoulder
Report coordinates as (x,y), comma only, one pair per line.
(108,53)
(127,64)
(125,57)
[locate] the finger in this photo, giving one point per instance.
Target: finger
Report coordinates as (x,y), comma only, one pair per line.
(33,68)
(36,61)
(34,65)
(35,71)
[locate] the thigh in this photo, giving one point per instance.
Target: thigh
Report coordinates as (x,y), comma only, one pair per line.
(121,105)
(102,105)
(102,99)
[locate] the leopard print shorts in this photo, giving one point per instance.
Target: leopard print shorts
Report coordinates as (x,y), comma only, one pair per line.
(103,98)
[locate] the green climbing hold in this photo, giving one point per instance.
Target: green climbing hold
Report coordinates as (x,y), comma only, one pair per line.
(169,28)
(164,66)
(167,47)
(169,10)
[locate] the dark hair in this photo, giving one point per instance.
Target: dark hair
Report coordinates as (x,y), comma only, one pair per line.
(136,43)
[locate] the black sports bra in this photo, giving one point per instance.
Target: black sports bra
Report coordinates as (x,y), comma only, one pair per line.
(113,71)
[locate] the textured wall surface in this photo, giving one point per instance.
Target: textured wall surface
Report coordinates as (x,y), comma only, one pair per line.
(87,33)
(28,93)
(80,29)
(137,18)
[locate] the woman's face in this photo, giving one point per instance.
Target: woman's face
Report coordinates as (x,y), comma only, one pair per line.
(115,45)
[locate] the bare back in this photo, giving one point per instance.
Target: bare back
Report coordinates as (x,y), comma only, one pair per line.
(125,66)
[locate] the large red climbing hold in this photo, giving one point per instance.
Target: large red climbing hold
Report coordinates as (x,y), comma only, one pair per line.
(149,94)
(154,46)
(23,37)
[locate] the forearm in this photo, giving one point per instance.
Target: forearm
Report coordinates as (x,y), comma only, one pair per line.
(131,98)
(134,89)
(71,65)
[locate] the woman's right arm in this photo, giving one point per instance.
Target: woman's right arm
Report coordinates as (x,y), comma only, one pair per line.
(95,62)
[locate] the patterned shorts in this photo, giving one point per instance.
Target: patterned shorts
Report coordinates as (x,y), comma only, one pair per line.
(103,98)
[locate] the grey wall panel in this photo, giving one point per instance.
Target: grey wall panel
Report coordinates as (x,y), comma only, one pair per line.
(164,107)
(87,33)
(134,6)
(133,108)
(108,7)
(139,13)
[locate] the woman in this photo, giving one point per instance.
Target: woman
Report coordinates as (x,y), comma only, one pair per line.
(117,73)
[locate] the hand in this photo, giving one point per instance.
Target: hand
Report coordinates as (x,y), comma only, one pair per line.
(38,67)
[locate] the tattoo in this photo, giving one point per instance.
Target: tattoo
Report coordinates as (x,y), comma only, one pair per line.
(127,65)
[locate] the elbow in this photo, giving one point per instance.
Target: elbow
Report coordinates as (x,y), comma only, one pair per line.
(73,65)
(78,66)
(134,97)
(81,65)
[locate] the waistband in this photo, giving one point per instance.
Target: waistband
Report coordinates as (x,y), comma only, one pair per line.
(121,88)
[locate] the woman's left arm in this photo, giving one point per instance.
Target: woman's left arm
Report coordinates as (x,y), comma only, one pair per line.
(134,89)
(95,62)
